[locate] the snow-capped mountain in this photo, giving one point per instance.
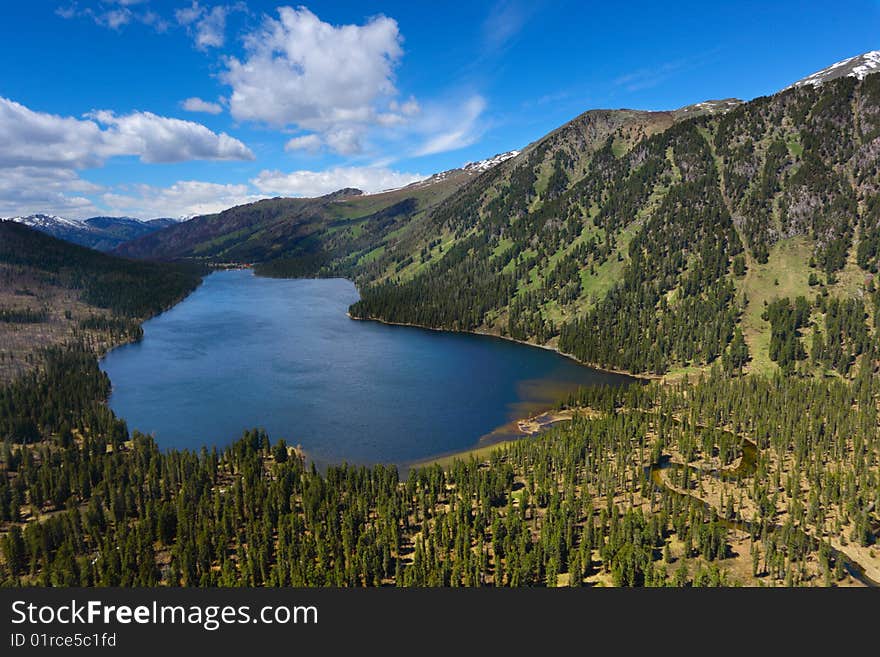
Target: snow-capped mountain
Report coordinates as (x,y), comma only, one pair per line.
(488,163)
(856,67)
(101,233)
(49,222)
(467,169)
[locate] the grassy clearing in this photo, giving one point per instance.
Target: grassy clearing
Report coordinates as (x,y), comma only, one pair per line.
(215,244)
(545,170)
(355,208)
(510,267)
(851,280)
(794,146)
(785,275)
(608,273)
(503,245)
(597,284)
(370,256)
(619,147)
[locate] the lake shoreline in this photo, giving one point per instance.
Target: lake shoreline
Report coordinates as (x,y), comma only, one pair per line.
(484,447)
(487,334)
(600,368)
(531,426)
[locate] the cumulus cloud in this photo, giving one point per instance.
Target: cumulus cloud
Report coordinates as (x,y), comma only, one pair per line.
(67,12)
(37,138)
(208,26)
(183,198)
(161,139)
(318,183)
(30,190)
(211,30)
(189,15)
(408,108)
(42,153)
(300,71)
(115,18)
(345,141)
(198,105)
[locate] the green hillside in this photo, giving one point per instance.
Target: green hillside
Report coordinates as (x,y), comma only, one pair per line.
(650,242)
(656,257)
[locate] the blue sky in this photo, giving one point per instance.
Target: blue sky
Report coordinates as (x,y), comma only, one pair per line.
(167,108)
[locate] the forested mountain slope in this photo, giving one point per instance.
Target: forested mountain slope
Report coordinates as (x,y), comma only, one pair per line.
(671,250)
(56,293)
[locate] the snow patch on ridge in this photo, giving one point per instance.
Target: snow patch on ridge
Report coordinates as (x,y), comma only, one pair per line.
(50,221)
(857,67)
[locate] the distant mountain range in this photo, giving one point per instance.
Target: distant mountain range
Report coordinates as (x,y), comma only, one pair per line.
(100,233)
(282,229)
(110,233)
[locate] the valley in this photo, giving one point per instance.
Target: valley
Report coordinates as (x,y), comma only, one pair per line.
(727,251)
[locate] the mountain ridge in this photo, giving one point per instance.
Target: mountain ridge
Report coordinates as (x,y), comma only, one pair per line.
(857,67)
(103,233)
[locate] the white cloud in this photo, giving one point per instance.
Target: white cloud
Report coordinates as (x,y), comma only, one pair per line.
(153,19)
(318,183)
(187,197)
(646,78)
(189,15)
(40,139)
(208,26)
(452,126)
(30,190)
(300,71)
(310,143)
(211,30)
(345,141)
(42,152)
(161,139)
(198,105)
(36,138)
(409,108)
(505,21)
(114,18)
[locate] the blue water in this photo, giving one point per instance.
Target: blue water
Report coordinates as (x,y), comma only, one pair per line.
(244,351)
